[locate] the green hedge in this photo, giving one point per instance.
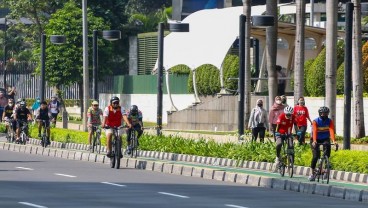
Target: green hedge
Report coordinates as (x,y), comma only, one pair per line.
(345,160)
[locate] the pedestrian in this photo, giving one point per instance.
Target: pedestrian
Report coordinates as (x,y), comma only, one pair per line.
(54,106)
(12,92)
(258,121)
(36,105)
(3,103)
(281,80)
(301,114)
(276,110)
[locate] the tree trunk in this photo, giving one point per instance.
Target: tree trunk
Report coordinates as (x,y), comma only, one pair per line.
(331,56)
(358,122)
(80,87)
(247,98)
(299,51)
(271,51)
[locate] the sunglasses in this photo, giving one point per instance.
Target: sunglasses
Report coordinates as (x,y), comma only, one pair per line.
(95,105)
(115,103)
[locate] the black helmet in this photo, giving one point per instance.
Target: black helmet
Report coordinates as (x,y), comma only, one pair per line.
(113,99)
(323,109)
(134,109)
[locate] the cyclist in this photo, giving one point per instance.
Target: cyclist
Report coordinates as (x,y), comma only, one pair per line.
(22,114)
(322,132)
(94,115)
(284,128)
(54,106)
(113,116)
(43,113)
(301,114)
(3,103)
(135,117)
(8,114)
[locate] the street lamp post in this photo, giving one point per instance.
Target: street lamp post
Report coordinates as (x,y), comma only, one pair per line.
(110,35)
(55,39)
(173,27)
(258,20)
(5,52)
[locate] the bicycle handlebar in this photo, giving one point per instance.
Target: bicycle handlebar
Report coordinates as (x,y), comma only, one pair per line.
(331,144)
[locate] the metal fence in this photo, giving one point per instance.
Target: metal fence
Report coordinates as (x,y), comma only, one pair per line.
(22,75)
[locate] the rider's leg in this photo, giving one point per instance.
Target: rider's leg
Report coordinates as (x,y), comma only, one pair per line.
(301,139)
(90,136)
(18,130)
(39,128)
(108,140)
(278,146)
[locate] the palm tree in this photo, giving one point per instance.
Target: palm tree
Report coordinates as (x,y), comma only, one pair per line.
(271,51)
(331,56)
(359,130)
(299,51)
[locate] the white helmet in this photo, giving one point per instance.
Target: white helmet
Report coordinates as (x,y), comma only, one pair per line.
(288,110)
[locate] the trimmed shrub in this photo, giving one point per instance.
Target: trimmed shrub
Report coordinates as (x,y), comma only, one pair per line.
(180,69)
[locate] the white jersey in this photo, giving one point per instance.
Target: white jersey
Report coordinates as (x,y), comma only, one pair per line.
(54,108)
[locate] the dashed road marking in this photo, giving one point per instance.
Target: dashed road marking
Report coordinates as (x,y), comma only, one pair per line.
(114,184)
(65,175)
(176,195)
(234,206)
(32,205)
(23,168)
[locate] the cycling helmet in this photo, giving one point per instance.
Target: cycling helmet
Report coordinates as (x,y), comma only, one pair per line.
(114,98)
(22,104)
(288,110)
(134,109)
(323,109)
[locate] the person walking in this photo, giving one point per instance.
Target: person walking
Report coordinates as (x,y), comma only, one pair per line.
(258,121)
(301,115)
(276,110)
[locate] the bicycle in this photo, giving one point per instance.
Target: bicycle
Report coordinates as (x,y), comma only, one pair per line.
(96,139)
(44,136)
(116,144)
(10,134)
(287,156)
(134,144)
(23,133)
(323,164)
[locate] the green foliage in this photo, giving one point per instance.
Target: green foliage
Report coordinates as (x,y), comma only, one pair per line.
(207,80)
(231,70)
(316,73)
(340,79)
(180,69)
(64,62)
(208,77)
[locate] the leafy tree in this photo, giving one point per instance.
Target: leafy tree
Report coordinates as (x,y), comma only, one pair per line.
(64,63)
(365,65)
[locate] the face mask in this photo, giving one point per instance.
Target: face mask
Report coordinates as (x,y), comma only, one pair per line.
(324,117)
(301,102)
(260,105)
(278,101)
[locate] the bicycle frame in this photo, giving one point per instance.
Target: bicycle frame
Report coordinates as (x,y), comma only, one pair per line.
(287,157)
(133,143)
(116,148)
(96,143)
(10,132)
(23,132)
(44,134)
(323,164)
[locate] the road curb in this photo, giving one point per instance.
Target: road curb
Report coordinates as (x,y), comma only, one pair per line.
(208,173)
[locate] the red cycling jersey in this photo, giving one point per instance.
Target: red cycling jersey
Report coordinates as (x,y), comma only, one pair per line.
(301,115)
(285,125)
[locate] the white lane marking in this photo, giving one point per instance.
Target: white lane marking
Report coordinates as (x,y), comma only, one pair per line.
(113,184)
(32,205)
(70,176)
(235,206)
(170,194)
(24,168)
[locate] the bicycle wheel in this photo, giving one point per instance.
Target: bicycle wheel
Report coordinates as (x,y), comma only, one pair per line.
(98,143)
(44,141)
(117,153)
(319,169)
(325,172)
(93,142)
(282,166)
(112,158)
(133,145)
(290,165)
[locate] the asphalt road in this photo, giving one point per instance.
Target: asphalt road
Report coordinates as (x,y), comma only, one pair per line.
(38,181)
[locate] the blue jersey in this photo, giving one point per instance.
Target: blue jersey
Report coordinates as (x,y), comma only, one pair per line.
(323,128)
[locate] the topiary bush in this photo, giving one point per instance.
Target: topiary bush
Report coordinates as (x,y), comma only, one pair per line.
(231,70)
(207,80)
(180,69)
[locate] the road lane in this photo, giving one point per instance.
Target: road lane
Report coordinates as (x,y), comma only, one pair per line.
(93,187)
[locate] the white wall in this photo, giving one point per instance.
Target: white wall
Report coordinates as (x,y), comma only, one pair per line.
(147,103)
